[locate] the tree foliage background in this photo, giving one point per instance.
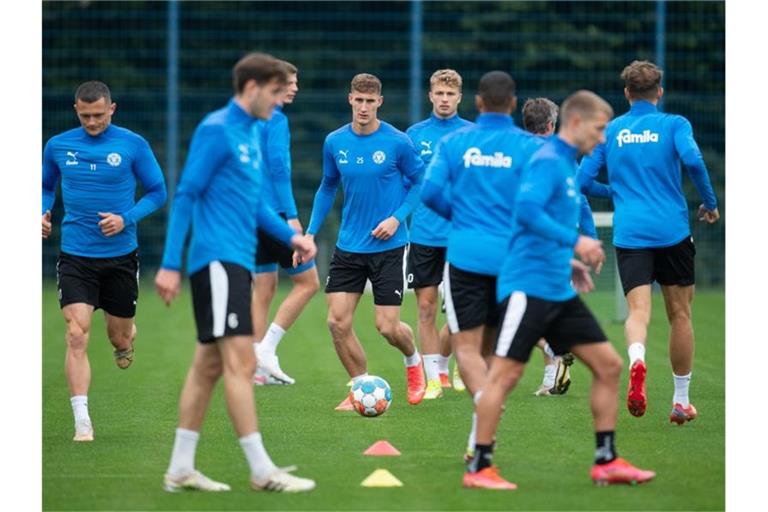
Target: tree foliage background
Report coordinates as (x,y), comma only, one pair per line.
(550,48)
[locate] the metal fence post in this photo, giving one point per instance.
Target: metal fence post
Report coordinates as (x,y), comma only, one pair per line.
(172,98)
(416,66)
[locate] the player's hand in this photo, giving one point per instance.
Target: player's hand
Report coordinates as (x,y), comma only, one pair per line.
(598,265)
(111,224)
(47,224)
(296,225)
(580,277)
(590,250)
(709,216)
(304,248)
(386,228)
(168,284)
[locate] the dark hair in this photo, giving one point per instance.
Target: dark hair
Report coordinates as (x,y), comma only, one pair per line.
(642,79)
(584,104)
(497,89)
(537,113)
(365,83)
(260,67)
(92,91)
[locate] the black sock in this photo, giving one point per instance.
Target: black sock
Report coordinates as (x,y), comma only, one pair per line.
(482,458)
(606,451)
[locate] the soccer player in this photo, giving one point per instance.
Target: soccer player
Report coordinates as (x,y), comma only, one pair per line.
(478,165)
(429,232)
(651,232)
(219,196)
(538,300)
(540,117)
(381,175)
(98,266)
(277,193)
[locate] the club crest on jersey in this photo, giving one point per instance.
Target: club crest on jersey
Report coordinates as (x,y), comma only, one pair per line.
(627,137)
(114,159)
(474,157)
(379,157)
(427,147)
(343,156)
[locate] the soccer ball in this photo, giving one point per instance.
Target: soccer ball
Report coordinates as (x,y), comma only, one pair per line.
(370,395)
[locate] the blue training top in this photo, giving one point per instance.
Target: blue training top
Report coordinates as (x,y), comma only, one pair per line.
(538,259)
(427,227)
(98,174)
(643,150)
(481,164)
(276,146)
(381,175)
(219,192)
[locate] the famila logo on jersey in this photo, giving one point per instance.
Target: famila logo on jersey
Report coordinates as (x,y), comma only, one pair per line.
(627,137)
(473,156)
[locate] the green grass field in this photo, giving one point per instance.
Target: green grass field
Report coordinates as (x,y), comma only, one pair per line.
(545,444)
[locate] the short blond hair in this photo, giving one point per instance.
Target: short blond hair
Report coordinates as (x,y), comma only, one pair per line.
(447,77)
(365,83)
(585,104)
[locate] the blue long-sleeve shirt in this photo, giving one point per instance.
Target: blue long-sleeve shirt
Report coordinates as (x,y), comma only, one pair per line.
(219,193)
(99,174)
(481,164)
(276,145)
(427,226)
(545,228)
(381,175)
(642,152)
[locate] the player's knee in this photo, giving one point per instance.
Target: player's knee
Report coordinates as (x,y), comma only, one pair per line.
(679,314)
(611,369)
(339,327)
(120,337)
(311,284)
(77,336)
(427,312)
(210,371)
(388,329)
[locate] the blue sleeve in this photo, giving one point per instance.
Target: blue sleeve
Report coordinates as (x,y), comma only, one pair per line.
(278,146)
(437,180)
(590,167)
(586,221)
(326,193)
(51,175)
(207,153)
(147,170)
(694,163)
(268,220)
(536,189)
(412,167)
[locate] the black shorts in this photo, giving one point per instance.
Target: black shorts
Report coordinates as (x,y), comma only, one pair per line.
(525,320)
(470,299)
(111,284)
(668,266)
(350,270)
(425,265)
(271,250)
(221,298)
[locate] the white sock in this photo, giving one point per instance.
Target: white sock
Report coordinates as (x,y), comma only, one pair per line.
(80,407)
(550,371)
(183,455)
(413,359)
(442,364)
(636,351)
(473,432)
(358,376)
(548,350)
(431,366)
(681,389)
(258,459)
(272,339)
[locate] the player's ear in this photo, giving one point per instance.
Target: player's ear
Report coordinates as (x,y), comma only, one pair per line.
(112,108)
(514,103)
(478,103)
(349,98)
(626,94)
(381,100)
(661,92)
